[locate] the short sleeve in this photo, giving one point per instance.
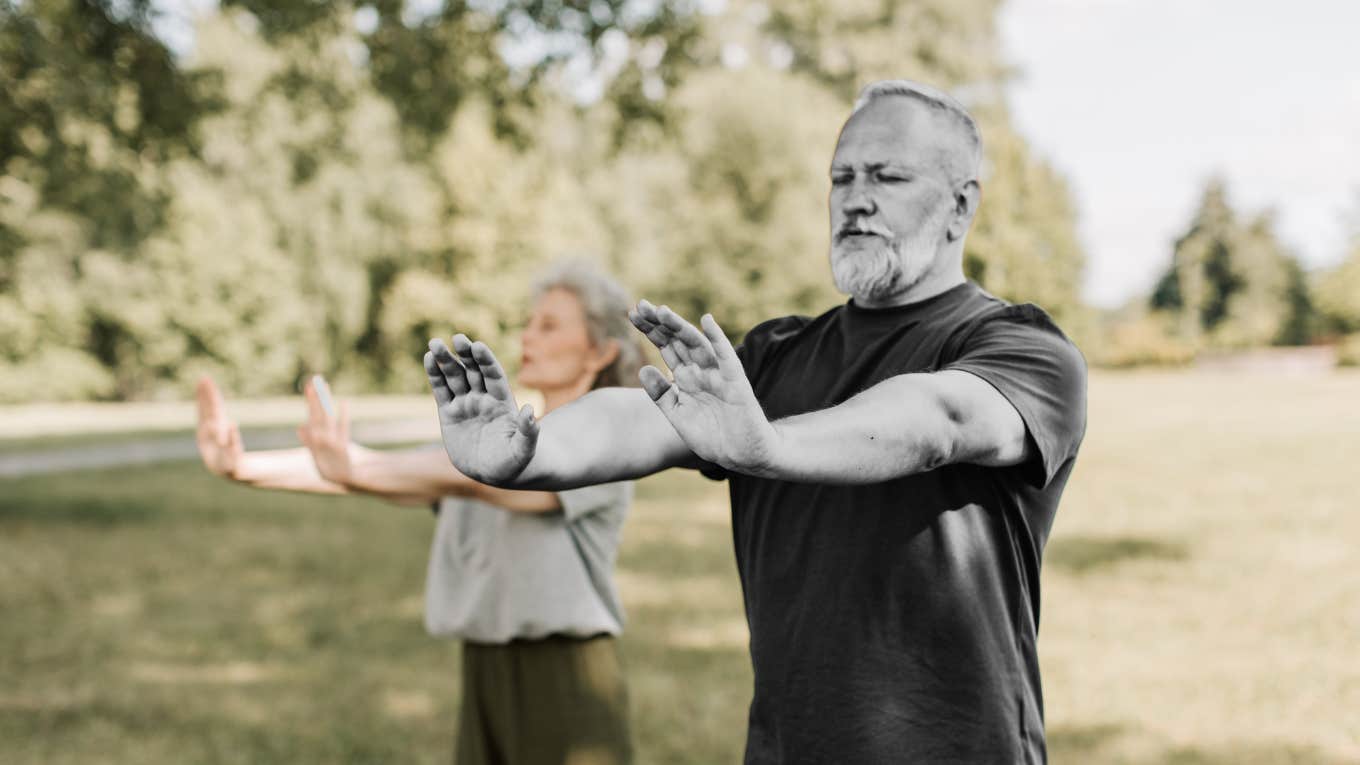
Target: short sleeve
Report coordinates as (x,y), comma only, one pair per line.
(754,350)
(578,503)
(1022,353)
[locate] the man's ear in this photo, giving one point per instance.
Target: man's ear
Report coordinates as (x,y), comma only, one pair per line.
(966,198)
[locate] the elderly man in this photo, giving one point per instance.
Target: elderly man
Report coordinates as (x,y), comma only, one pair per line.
(894,464)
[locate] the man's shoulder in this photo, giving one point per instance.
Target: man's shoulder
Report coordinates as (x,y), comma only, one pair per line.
(987,312)
(776,329)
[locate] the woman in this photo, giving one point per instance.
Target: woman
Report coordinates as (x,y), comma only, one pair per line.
(524,578)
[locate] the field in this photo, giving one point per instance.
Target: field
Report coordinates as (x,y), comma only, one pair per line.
(1201,603)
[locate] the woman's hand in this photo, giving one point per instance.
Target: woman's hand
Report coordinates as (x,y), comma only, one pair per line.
(326,436)
(218,438)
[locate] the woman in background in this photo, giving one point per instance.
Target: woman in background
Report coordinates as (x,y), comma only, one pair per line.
(523,578)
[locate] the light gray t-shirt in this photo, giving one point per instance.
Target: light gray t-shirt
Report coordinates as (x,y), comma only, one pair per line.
(498,574)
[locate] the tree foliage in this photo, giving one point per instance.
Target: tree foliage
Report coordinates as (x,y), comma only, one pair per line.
(1231,283)
(1338,288)
(306,193)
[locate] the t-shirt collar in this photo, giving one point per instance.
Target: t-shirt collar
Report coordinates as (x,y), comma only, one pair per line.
(919,308)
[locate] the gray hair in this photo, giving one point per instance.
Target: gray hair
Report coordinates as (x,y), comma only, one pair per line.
(606,304)
(937,100)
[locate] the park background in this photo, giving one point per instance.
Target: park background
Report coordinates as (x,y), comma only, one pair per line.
(262,190)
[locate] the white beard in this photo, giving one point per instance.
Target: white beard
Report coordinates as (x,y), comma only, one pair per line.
(878,268)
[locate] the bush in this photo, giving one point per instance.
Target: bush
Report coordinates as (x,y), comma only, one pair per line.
(1348,351)
(1142,341)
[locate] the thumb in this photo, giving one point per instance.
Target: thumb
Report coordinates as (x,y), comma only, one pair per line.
(525,422)
(661,391)
(344,420)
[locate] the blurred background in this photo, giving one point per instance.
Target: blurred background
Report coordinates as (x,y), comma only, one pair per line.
(263,190)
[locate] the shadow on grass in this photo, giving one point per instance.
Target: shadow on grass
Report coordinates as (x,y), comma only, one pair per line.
(104,730)
(1270,753)
(1082,555)
(76,509)
(1081,743)
(1100,742)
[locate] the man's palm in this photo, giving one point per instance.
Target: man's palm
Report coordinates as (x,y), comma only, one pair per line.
(485,436)
(710,402)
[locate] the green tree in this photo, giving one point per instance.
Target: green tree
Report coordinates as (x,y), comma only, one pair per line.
(1231,283)
(429,60)
(90,103)
(1338,288)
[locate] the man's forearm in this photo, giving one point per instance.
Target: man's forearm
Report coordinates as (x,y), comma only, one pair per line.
(902,426)
(612,434)
(886,432)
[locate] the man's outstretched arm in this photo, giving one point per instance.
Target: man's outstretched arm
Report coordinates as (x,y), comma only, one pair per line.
(904,425)
(607,435)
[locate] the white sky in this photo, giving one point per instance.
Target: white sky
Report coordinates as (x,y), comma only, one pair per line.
(1138,102)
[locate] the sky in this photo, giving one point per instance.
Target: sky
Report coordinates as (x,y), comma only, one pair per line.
(1139,102)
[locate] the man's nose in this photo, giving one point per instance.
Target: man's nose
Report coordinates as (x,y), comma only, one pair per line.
(857,200)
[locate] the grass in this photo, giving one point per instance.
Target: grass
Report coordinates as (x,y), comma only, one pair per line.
(1201,603)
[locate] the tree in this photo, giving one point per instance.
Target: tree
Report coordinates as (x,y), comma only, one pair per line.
(429,60)
(1231,283)
(1338,289)
(90,103)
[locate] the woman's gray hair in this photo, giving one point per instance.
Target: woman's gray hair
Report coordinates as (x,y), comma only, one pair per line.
(606,304)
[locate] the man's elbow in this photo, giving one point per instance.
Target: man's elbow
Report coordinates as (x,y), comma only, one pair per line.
(976,436)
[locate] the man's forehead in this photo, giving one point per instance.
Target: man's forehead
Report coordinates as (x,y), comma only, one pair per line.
(901,130)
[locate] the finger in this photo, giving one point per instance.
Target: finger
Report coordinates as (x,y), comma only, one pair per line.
(700,350)
(493,375)
(438,384)
(526,422)
(656,385)
(658,338)
(323,394)
(722,347)
(234,439)
(302,433)
(448,364)
(316,415)
(672,351)
(210,404)
(221,432)
(648,310)
(463,347)
(344,420)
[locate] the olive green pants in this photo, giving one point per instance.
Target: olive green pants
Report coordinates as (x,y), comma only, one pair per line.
(554,701)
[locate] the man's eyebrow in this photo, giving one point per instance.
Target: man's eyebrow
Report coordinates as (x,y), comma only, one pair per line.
(870,166)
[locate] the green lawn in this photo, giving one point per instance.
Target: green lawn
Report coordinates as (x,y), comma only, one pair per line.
(1201,603)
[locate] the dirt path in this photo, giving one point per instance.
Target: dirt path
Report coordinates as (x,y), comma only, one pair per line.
(82,436)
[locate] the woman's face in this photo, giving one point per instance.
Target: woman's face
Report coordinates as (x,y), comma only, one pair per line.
(557,352)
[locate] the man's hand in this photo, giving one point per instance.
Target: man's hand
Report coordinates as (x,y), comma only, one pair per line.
(486,438)
(710,403)
(218,438)
(327,438)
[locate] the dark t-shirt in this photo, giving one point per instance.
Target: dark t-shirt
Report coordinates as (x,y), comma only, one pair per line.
(896,622)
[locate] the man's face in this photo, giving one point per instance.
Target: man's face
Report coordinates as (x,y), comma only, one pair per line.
(891,197)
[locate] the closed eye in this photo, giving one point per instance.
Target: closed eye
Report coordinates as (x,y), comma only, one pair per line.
(892,178)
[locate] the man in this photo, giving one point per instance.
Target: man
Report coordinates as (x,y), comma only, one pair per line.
(894,464)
